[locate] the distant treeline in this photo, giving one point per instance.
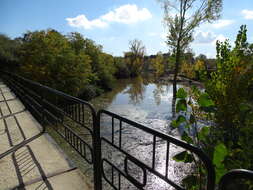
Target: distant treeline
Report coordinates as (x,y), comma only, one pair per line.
(78,66)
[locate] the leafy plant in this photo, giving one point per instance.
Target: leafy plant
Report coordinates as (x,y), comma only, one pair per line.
(227,106)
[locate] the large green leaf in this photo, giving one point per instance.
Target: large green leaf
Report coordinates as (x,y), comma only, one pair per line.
(181,93)
(180,157)
(181,105)
(183,157)
(203,133)
(220,152)
(205,101)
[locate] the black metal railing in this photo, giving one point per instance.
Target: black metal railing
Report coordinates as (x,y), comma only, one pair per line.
(152,157)
(61,112)
(232,180)
(100,137)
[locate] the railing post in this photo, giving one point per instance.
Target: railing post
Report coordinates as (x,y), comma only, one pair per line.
(97,164)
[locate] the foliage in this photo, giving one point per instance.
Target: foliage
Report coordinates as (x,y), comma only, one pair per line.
(230,87)
(190,107)
(158,64)
(121,68)
(199,68)
(8,52)
(47,57)
(182,17)
(187,69)
(65,62)
(102,64)
(134,59)
(227,105)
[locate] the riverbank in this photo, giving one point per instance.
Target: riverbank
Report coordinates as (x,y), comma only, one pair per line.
(180,80)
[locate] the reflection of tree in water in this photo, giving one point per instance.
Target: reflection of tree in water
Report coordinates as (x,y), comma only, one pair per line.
(159,92)
(106,99)
(136,90)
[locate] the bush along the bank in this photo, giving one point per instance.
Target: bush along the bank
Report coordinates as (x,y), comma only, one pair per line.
(228,107)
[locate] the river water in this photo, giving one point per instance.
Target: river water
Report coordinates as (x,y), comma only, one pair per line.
(140,99)
(149,103)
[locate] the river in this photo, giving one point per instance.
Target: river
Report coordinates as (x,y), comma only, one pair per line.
(140,99)
(149,103)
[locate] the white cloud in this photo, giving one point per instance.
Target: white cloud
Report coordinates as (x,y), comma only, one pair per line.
(208,37)
(247,14)
(126,14)
(81,21)
(204,37)
(222,23)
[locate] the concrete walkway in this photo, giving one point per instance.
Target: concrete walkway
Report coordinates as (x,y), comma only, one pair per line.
(38,165)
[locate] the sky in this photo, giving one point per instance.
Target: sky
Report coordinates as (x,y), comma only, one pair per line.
(113,23)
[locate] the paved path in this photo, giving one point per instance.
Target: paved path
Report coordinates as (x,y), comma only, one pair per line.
(38,165)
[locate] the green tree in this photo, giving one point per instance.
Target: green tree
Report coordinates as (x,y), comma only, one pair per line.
(121,68)
(230,87)
(158,64)
(102,64)
(8,52)
(227,105)
(47,57)
(135,57)
(181,18)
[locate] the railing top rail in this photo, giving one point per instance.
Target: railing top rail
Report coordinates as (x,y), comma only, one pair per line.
(56,92)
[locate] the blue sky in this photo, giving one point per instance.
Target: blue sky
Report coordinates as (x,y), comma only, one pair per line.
(112,23)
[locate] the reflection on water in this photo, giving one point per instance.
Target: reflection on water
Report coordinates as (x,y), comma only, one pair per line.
(142,100)
(136,91)
(149,103)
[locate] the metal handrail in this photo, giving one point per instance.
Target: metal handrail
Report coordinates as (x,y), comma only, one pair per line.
(158,134)
(34,100)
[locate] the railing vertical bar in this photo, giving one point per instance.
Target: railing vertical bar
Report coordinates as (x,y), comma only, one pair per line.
(81,148)
(112,130)
(77,143)
(70,109)
(71,138)
(112,175)
(154,145)
(84,150)
(79,113)
(119,181)
(82,113)
(97,155)
(75,112)
(120,133)
(75,140)
(167,159)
